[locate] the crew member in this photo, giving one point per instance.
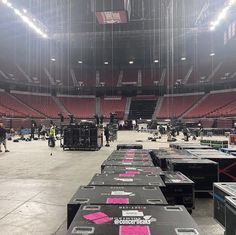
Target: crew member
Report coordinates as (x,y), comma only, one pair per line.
(3,138)
(107,135)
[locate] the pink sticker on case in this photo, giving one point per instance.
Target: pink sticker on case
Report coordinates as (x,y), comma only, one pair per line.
(94,216)
(134,230)
(127,175)
(103,220)
(117,200)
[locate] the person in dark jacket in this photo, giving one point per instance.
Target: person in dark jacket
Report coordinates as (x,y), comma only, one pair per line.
(186,133)
(3,138)
(107,135)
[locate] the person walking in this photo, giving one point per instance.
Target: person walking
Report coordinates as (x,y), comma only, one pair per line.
(3,138)
(107,135)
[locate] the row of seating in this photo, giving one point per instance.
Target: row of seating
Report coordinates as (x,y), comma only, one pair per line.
(211,105)
(41,106)
(78,76)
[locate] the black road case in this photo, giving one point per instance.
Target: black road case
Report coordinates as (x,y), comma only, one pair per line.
(179,190)
(160,156)
(133,170)
(129,163)
(202,172)
(227,166)
(129,158)
(189,146)
(220,191)
(126,180)
(230,220)
(111,195)
(129,146)
(133,220)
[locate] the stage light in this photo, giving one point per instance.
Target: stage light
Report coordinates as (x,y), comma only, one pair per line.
(131,62)
(53,59)
(183,58)
(80,62)
(212,54)
(156,61)
(106,63)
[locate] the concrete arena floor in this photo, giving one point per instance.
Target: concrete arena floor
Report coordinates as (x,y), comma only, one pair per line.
(35,187)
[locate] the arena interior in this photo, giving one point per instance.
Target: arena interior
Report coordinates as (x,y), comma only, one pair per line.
(87,83)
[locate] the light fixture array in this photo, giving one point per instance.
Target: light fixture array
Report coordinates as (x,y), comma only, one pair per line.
(31,22)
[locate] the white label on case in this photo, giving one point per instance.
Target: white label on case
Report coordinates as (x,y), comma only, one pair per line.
(132,213)
(124,180)
(120,193)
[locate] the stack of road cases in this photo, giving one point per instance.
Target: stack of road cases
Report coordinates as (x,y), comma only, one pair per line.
(129,157)
(133,220)
(221,190)
(84,136)
(161,157)
(131,196)
(179,190)
(202,172)
(110,195)
(227,163)
(189,146)
(230,217)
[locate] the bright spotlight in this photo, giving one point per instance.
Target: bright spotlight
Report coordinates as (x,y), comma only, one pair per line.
(27,19)
(183,58)
(131,62)
(222,15)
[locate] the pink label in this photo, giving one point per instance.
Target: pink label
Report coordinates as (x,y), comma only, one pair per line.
(95,216)
(102,220)
(117,201)
(127,175)
(134,230)
(133,172)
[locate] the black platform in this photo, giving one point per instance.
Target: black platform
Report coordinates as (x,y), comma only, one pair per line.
(129,163)
(133,170)
(111,195)
(133,220)
(126,180)
(129,146)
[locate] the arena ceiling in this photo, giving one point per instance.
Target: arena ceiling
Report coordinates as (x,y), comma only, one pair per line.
(156,28)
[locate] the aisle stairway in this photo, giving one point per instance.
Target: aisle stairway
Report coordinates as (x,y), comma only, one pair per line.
(142,109)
